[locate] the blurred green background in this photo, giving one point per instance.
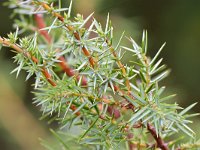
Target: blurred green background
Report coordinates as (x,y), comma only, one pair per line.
(176,22)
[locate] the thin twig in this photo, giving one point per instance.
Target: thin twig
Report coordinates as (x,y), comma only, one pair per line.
(18,49)
(41,24)
(120,65)
(160,142)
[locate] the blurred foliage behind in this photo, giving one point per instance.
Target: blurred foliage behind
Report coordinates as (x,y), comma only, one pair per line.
(176,22)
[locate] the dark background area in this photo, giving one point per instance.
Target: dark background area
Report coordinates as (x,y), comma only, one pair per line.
(176,22)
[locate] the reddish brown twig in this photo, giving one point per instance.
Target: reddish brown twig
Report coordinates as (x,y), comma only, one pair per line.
(48,76)
(40,25)
(160,142)
(70,72)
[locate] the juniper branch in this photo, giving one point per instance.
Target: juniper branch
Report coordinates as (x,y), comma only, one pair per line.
(110,106)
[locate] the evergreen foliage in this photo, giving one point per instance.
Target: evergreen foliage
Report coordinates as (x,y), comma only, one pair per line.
(81,80)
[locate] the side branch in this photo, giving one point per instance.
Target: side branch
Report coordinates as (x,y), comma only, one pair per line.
(7,43)
(121,66)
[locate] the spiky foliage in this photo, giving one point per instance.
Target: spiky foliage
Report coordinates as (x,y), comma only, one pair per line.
(81,80)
